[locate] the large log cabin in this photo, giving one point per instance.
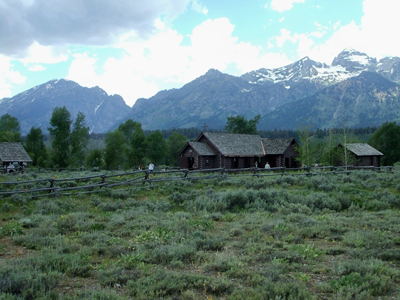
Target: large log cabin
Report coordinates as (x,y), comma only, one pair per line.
(233,151)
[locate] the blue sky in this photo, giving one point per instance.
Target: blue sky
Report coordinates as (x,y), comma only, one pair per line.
(137,48)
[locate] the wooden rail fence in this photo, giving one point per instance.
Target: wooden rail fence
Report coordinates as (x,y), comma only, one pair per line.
(98,182)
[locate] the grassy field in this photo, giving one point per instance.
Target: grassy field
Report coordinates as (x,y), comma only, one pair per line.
(274,237)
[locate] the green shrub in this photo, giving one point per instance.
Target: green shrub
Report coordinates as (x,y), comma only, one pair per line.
(7,207)
(46,207)
(27,283)
(37,238)
(164,254)
(368,239)
(160,235)
(371,275)
(94,294)
(67,184)
(19,199)
(67,223)
(110,206)
(210,243)
(201,224)
(287,290)
(12,228)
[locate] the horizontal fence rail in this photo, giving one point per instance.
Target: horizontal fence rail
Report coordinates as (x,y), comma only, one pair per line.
(142,178)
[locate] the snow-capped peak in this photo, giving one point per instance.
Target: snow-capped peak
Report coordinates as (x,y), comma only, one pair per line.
(353,61)
(348,63)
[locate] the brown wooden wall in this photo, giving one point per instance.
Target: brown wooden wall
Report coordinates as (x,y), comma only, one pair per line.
(289,160)
(367,161)
(202,162)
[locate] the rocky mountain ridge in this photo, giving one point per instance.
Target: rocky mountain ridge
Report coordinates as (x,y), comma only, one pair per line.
(35,106)
(213,97)
(355,90)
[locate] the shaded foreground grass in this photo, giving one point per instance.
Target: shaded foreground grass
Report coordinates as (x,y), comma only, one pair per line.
(284,237)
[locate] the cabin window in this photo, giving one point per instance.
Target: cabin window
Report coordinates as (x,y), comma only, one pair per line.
(207,162)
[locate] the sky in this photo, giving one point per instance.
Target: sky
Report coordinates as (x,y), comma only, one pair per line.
(137,48)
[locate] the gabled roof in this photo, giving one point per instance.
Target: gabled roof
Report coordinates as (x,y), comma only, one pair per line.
(201,148)
(232,145)
(362,149)
(13,152)
(276,146)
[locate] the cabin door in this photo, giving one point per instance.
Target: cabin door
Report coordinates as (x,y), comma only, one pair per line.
(191,163)
(287,162)
(235,162)
(247,162)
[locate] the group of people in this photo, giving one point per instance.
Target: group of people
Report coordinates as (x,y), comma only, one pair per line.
(151,167)
(267,166)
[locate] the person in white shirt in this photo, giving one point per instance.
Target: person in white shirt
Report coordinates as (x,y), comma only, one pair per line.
(151,167)
(267,166)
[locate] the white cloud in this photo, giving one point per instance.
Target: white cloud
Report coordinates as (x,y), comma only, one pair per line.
(162,62)
(45,54)
(198,7)
(82,70)
(284,37)
(36,68)
(374,36)
(378,28)
(341,39)
(282,5)
(8,77)
(89,22)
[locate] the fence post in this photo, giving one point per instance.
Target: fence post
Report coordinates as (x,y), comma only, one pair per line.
(103,180)
(308,169)
(283,171)
(255,173)
(146,176)
(51,185)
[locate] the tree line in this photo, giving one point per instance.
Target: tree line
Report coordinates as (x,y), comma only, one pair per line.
(125,147)
(129,146)
(326,146)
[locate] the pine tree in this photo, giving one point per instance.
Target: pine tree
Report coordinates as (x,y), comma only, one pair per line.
(79,140)
(9,129)
(35,147)
(60,131)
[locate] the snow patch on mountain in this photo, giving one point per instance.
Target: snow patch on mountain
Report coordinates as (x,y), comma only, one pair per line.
(349,63)
(97,107)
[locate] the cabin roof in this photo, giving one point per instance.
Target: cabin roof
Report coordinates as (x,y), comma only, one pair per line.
(232,145)
(276,146)
(13,152)
(202,148)
(362,149)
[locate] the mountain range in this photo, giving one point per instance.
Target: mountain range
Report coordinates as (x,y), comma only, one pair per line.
(354,91)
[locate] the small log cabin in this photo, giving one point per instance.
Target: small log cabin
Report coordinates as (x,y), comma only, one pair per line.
(281,152)
(365,155)
(233,151)
(11,153)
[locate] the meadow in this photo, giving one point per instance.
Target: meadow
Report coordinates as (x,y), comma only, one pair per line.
(284,236)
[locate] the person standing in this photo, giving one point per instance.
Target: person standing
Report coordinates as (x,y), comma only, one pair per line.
(151,167)
(267,166)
